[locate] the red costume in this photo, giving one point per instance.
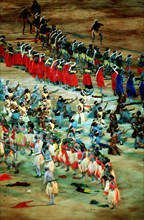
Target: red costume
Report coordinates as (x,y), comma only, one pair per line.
(65,157)
(87,81)
(17,58)
(53,72)
(8,59)
(100,77)
(73,80)
(2,51)
(66,75)
(113,77)
(113,195)
(40,70)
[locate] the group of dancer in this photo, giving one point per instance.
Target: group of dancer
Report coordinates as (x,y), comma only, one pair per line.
(50,130)
(64,72)
(31,122)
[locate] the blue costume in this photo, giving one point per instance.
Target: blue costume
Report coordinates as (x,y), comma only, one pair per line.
(2,92)
(130,89)
(141,90)
(119,85)
(139,141)
(97,140)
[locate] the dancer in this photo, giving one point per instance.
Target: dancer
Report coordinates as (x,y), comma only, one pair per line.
(100,79)
(139,140)
(113,79)
(50,184)
(35,8)
(24,16)
(119,83)
(95,29)
(39,160)
(141,90)
(128,63)
(130,89)
(113,195)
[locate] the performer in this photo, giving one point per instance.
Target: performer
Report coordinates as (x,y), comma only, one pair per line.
(140,64)
(39,160)
(3,45)
(87,81)
(104,179)
(113,149)
(96,140)
(119,60)
(81,110)
(92,167)
(128,63)
(94,109)
(125,115)
(130,89)
(112,58)
(24,16)
(8,58)
(36,23)
(66,75)
(106,59)
(68,112)
(11,155)
(47,68)
(119,84)
(141,90)
(84,161)
(47,155)
(113,122)
(113,195)
(50,184)
(100,79)
(113,79)
(139,140)
(90,54)
(95,29)
(17,55)
(97,56)
(35,8)
(73,76)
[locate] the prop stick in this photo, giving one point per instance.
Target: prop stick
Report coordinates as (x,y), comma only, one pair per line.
(112,100)
(54,91)
(133,103)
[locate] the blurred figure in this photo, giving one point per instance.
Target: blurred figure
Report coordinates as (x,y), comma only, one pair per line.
(24,17)
(114,194)
(35,8)
(130,88)
(95,29)
(141,90)
(139,140)
(50,184)
(140,64)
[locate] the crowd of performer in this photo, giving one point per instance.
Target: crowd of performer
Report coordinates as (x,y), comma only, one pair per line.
(64,68)
(31,122)
(34,121)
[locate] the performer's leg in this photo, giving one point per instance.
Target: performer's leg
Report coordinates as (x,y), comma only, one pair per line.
(93,35)
(38,172)
(51,199)
(30,24)
(24,25)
